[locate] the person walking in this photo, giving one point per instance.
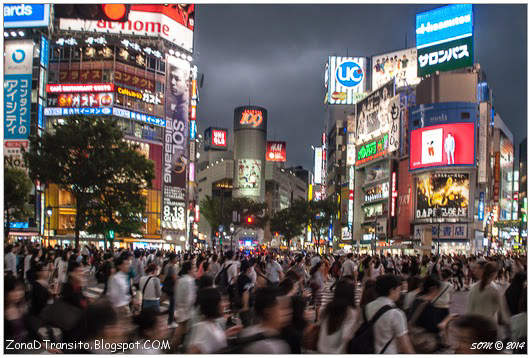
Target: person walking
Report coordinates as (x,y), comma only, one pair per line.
(149,285)
(119,290)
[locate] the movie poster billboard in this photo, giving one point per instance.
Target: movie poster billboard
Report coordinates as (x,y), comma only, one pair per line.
(373,113)
(400,65)
(442,195)
(175,146)
(249,177)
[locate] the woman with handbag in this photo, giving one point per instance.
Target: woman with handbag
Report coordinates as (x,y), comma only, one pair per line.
(149,285)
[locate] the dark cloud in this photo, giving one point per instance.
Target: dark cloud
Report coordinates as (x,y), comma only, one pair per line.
(275,54)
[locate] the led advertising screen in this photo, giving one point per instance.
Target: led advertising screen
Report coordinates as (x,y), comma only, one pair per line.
(444,24)
(373,113)
(250,117)
(442,145)
(249,176)
(347,79)
(377,192)
(447,56)
(442,195)
(174,23)
(318,165)
(276,151)
(400,65)
(426,115)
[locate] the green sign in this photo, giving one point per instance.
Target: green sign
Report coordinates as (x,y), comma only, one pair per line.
(372,150)
(111,234)
(446,56)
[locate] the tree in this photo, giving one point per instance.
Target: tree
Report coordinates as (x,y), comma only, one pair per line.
(17,188)
(290,222)
(77,155)
(320,215)
(210,208)
(120,203)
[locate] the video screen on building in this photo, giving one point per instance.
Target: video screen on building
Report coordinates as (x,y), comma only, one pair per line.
(276,151)
(442,195)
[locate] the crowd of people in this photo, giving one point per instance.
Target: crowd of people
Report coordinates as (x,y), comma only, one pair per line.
(267,302)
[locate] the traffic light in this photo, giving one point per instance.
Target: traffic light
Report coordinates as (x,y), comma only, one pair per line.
(107,12)
(249,220)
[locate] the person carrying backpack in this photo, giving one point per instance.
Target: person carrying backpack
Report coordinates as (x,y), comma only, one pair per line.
(384,328)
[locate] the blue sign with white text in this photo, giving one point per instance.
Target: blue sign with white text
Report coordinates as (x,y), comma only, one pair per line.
(444,24)
(26,15)
(481,206)
(349,74)
(17,106)
(44,52)
(146,118)
(18,225)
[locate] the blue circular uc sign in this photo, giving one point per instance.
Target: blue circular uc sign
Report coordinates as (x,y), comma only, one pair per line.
(349,74)
(18,56)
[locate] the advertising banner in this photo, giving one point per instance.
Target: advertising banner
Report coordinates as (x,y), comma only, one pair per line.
(400,65)
(79,87)
(18,60)
(318,165)
(249,177)
(405,200)
(76,100)
(481,206)
(347,78)
(444,24)
(45,52)
(174,23)
(69,111)
(394,123)
(351,154)
(373,113)
(143,96)
(137,116)
(216,138)
(426,115)
(276,151)
(13,153)
(442,195)
(175,146)
(497,179)
(442,145)
(26,15)
(373,150)
(447,56)
(350,218)
(377,192)
(482,145)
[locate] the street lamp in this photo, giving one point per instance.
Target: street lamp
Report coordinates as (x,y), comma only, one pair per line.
(49,212)
(231,228)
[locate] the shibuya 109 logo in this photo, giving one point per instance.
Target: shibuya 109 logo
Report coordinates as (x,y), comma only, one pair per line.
(349,74)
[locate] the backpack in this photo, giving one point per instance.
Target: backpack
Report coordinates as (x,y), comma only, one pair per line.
(239,344)
(363,340)
(222,279)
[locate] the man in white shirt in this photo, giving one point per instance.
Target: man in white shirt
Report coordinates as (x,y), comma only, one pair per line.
(11,261)
(348,269)
(119,289)
(390,330)
(274,272)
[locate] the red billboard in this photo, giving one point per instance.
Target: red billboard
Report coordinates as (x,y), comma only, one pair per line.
(104,99)
(219,138)
(442,145)
(276,152)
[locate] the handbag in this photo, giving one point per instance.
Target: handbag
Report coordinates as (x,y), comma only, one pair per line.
(143,291)
(422,340)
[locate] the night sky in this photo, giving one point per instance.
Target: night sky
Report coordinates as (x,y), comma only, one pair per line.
(275,54)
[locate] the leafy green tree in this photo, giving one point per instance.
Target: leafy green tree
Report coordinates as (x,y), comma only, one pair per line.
(77,155)
(120,203)
(17,188)
(320,215)
(290,222)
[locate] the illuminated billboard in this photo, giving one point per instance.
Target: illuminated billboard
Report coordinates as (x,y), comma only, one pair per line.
(79,87)
(276,151)
(442,195)
(426,115)
(318,165)
(373,113)
(442,145)
(444,24)
(76,100)
(447,56)
(347,79)
(174,22)
(373,150)
(216,138)
(377,192)
(400,65)
(250,117)
(26,15)
(249,177)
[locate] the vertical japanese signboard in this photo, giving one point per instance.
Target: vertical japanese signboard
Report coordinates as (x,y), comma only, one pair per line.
(18,61)
(175,147)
